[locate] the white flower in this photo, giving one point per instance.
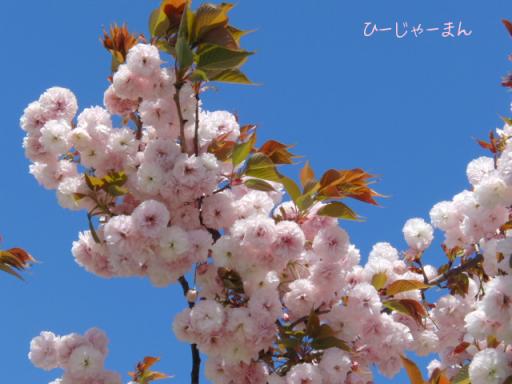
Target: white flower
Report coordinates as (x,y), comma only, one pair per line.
(54,136)
(85,361)
(143,60)
(207,317)
(173,243)
(418,234)
(489,366)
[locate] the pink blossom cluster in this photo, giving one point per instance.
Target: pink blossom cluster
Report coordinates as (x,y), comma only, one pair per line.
(82,357)
(261,263)
(476,327)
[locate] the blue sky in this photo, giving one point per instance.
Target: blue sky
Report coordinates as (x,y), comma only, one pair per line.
(405,109)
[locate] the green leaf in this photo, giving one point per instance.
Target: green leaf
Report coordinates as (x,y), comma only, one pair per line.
(305,201)
(209,16)
(184,54)
(242,150)
(338,210)
(238,33)
(259,185)
(400,286)
(198,76)
(232,76)
(379,280)
(216,57)
(158,23)
(164,46)
(407,307)
(291,187)
(462,377)
(330,342)
(261,167)
(313,324)
(94,183)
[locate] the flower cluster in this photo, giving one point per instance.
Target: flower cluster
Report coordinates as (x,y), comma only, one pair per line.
(82,357)
(281,296)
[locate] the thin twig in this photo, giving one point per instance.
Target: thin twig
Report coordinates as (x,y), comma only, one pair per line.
(455,271)
(196,357)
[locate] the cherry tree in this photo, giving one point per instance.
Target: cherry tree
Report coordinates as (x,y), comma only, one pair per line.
(171,189)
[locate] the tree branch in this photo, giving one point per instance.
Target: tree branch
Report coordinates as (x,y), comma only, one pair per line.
(196,357)
(196,129)
(455,271)
(183,141)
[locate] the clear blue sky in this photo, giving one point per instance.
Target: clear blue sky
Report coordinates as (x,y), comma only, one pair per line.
(407,110)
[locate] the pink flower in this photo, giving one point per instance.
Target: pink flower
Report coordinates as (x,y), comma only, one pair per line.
(43,351)
(331,243)
(218,210)
(59,103)
(207,317)
(304,373)
(117,105)
(144,60)
(150,218)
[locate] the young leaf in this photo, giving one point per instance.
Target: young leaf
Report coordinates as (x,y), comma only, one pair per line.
(278,152)
(338,210)
(306,174)
(379,280)
(15,259)
(184,54)
(234,76)
(144,375)
(400,286)
(118,42)
(220,58)
(348,183)
(242,150)
(261,167)
(158,23)
(462,377)
(94,183)
(208,17)
(407,307)
(507,25)
(259,185)
(412,370)
(291,187)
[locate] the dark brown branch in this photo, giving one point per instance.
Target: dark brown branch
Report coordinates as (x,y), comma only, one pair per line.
(455,271)
(138,123)
(196,128)
(196,357)
(183,141)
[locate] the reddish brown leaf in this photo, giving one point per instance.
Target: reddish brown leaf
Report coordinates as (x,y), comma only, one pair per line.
(507,25)
(143,375)
(306,174)
(507,80)
(118,42)
(348,183)
(277,152)
(412,370)
(461,347)
(174,10)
